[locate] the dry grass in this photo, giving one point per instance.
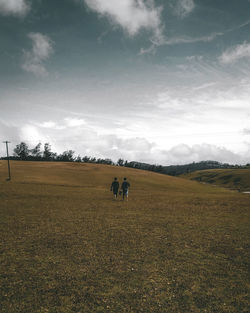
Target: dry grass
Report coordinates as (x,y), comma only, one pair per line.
(66,246)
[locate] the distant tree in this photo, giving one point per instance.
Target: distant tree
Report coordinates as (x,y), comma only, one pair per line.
(47,154)
(159,169)
(108,161)
(36,152)
(66,156)
(120,162)
(78,159)
(22,151)
(153,168)
(85,159)
(130,164)
(92,160)
(104,161)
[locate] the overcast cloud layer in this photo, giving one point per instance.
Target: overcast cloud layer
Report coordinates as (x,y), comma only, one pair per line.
(162,82)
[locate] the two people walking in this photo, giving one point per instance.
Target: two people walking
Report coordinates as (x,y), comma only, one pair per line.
(124,188)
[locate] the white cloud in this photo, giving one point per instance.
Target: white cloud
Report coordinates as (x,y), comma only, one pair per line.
(14,7)
(74,122)
(150,50)
(235,53)
(85,141)
(204,86)
(183,40)
(65,124)
(131,15)
(168,108)
(32,134)
(42,49)
(201,152)
(50,125)
(161,41)
(182,8)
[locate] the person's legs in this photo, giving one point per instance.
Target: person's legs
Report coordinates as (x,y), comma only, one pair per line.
(125,194)
(115,194)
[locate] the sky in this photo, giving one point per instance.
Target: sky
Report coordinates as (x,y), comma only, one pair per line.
(156,81)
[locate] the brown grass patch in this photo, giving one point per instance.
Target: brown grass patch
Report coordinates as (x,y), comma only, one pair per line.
(66,246)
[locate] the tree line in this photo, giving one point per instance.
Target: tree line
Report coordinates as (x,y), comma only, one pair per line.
(24,153)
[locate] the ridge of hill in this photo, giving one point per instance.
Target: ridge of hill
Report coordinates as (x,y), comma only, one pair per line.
(176,170)
(230,178)
(88,175)
(93,175)
(172,170)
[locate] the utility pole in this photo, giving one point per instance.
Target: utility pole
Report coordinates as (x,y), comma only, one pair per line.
(7,150)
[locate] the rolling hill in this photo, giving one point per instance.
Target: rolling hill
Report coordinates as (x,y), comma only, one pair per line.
(67,246)
(230,178)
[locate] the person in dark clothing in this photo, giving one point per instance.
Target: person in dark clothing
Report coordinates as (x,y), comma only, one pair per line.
(115,187)
(125,188)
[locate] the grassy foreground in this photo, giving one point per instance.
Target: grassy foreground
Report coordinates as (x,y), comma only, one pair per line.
(66,246)
(229,178)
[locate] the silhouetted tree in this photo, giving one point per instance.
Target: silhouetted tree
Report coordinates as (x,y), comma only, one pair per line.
(108,161)
(47,154)
(36,152)
(22,151)
(66,156)
(120,162)
(78,159)
(85,159)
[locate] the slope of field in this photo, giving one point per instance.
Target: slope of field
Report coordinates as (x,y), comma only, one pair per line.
(230,178)
(67,246)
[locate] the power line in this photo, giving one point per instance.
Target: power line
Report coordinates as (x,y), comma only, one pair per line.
(7,151)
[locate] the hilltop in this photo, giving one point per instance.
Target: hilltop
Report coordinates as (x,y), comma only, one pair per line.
(230,178)
(66,246)
(87,175)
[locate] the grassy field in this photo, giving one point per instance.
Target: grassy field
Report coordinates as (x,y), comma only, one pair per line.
(66,246)
(229,178)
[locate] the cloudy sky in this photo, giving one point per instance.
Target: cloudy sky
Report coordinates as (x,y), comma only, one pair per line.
(158,81)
